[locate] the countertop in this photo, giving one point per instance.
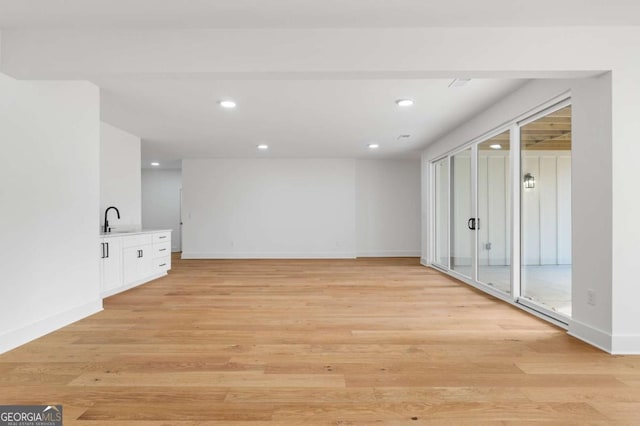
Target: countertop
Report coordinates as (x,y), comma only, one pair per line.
(126,233)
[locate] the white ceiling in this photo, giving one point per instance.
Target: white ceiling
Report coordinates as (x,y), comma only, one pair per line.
(296,118)
(142,14)
(304,94)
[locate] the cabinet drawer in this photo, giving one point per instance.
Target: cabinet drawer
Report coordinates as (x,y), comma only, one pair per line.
(161,237)
(136,240)
(162,263)
(162,249)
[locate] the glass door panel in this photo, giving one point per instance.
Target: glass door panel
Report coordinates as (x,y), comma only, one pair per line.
(441,182)
(546,211)
(494,201)
(462,238)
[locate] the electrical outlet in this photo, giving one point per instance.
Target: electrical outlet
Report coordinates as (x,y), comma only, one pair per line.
(591,297)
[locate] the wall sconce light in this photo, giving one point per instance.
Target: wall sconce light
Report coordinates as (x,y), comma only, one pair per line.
(529,181)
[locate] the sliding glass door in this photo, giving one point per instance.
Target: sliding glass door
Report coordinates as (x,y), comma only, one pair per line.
(502,210)
(441,212)
(462,208)
(494,207)
(479,212)
(546,210)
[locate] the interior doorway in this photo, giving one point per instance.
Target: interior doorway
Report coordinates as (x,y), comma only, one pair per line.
(161,202)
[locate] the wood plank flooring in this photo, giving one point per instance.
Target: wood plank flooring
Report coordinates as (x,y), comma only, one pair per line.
(317,342)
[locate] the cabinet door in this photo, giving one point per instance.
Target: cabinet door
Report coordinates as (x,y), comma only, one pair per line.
(131,261)
(111,265)
(138,263)
(145,264)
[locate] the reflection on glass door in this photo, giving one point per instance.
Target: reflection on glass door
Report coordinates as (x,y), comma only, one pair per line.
(461,211)
(441,186)
(494,201)
(546,210)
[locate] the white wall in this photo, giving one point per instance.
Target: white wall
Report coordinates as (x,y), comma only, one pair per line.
(120,176)
(592,176)
(388,207)
(49,136)
(161,202)
(268,208)
(292,208)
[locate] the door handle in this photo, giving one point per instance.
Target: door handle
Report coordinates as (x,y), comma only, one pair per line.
(471,223)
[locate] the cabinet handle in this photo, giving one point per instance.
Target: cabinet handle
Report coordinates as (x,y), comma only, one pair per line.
(102,244)
(164,264)
(163,249)
(107,244)
(141,253)
(162,236)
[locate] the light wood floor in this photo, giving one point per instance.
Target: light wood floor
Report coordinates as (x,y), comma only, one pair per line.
(305,342)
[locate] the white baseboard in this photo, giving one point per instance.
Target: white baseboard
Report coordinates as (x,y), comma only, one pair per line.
(625,345)
(593,336)
(390,253)
(268,255)
(424,262)
(14,338)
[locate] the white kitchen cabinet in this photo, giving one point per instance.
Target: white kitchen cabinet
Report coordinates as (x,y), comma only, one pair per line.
(161,252)
(137,258)
(161,237)
(138,263)
(110,264)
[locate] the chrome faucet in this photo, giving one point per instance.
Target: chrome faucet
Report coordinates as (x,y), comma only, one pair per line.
(106,222)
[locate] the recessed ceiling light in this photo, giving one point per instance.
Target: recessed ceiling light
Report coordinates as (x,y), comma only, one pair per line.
(404,136)
(263,146)
(155,164)
(227,104)
(404,102)
(373,146)
(459,82)
(495,146)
